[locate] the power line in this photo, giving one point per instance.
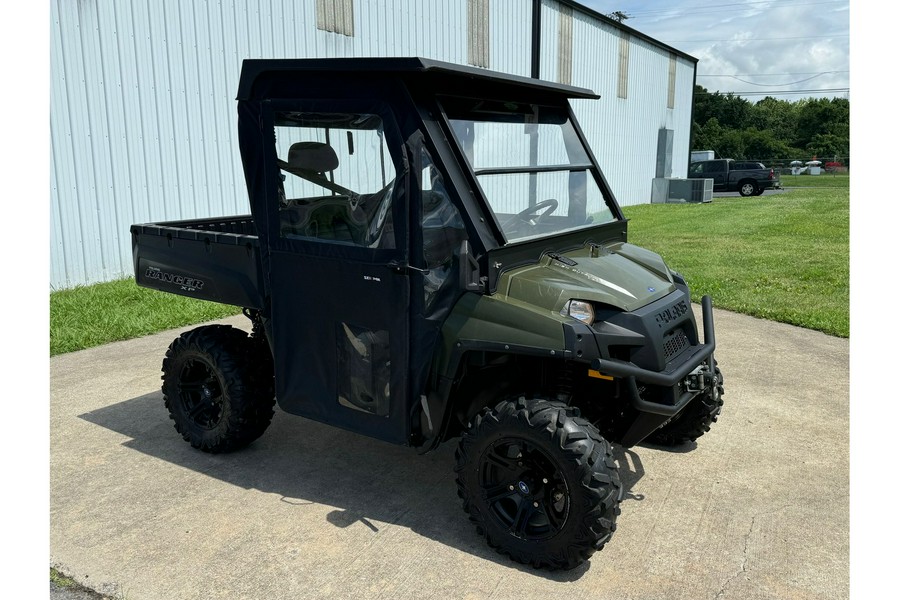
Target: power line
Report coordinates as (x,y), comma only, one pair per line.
(770,74)
(704,7)
(779,84)
(731,11)
(775,92)
(785,3)
(805,37)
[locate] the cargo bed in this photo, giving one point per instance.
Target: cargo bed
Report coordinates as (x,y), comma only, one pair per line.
(213,259)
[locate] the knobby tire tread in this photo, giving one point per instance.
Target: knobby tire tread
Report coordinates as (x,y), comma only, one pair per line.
(244,366)
(696,419)
(579,444)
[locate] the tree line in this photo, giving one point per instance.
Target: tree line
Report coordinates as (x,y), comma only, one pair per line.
(771,129)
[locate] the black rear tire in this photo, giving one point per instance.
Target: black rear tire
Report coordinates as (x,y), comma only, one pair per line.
(218,387)
(539,482)
(694,421)
(748,188)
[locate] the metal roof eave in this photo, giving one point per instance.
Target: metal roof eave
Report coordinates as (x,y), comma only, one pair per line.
(634,32)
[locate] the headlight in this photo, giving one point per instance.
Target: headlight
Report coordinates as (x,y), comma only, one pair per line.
(579,309)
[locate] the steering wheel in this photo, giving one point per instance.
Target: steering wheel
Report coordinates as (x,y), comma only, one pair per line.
(526,217)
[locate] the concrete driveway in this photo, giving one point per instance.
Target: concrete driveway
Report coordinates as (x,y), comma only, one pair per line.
(758,508)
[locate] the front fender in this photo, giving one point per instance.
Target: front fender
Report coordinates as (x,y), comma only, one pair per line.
(481,323)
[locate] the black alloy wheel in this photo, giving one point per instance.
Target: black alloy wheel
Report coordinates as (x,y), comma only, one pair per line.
(524,489)
(200,393)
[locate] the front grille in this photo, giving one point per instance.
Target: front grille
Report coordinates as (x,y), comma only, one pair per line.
(674,342)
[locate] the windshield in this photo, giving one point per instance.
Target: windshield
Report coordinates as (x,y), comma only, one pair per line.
(532,167)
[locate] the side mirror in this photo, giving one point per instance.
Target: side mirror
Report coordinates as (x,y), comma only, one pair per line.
(469,274)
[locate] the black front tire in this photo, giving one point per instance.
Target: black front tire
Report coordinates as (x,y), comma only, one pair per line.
(539,482)
(218,387)
(695,420)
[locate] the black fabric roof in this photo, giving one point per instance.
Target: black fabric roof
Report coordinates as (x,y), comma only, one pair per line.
(442,73)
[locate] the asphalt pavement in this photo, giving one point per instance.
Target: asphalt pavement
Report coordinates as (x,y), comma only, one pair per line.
(757,508)
(772,192)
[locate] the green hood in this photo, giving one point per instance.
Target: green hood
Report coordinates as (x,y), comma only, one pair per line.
(620,275)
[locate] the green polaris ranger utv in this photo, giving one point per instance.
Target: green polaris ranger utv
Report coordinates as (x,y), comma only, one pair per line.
(434,253)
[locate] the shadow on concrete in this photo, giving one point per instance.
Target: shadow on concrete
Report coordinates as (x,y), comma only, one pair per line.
(682,448)
(631,470)
(307,462)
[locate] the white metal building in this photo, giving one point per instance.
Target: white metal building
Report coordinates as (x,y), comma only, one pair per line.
(142,110)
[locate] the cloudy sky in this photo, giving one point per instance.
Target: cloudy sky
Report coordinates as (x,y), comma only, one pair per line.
(752,47)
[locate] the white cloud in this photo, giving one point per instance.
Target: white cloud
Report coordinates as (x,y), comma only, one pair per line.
(769,44)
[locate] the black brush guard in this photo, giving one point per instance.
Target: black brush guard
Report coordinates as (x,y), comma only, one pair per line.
(655,414)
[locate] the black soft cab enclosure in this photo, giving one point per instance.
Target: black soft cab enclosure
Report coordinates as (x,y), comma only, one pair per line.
(361,220)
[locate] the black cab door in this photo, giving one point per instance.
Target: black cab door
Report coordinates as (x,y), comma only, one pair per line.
(337,231)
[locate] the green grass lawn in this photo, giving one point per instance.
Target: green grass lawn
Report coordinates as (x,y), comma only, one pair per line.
(837,180)
(92,315)
(782,257)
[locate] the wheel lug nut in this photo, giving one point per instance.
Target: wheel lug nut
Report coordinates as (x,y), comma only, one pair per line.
(536,504)
(512,487)
(545,480)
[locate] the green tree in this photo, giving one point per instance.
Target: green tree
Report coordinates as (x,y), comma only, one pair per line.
(726,142)
(828,146)
(732,144)
(771,128)
(764,145)
(731,111)
(777,117)
(821,116)
(707,136)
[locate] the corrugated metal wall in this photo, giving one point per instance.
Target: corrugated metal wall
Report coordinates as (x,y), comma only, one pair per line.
(624,131)
(142,111)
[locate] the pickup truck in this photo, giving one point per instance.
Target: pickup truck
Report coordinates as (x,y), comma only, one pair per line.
(750,178)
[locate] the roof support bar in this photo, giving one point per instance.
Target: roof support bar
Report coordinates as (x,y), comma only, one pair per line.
(536,39)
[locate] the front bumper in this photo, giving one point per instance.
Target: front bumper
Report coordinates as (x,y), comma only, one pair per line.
(699,355)
(693,375)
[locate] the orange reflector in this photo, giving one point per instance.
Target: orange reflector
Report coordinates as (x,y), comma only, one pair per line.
(598,375)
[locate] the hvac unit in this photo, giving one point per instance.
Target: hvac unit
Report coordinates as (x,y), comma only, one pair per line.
(671,190)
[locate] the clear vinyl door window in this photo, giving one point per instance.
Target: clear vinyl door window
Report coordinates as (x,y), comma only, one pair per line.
(443,230)
(337,178)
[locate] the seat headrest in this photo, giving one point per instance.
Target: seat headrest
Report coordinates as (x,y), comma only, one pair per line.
(311,156)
